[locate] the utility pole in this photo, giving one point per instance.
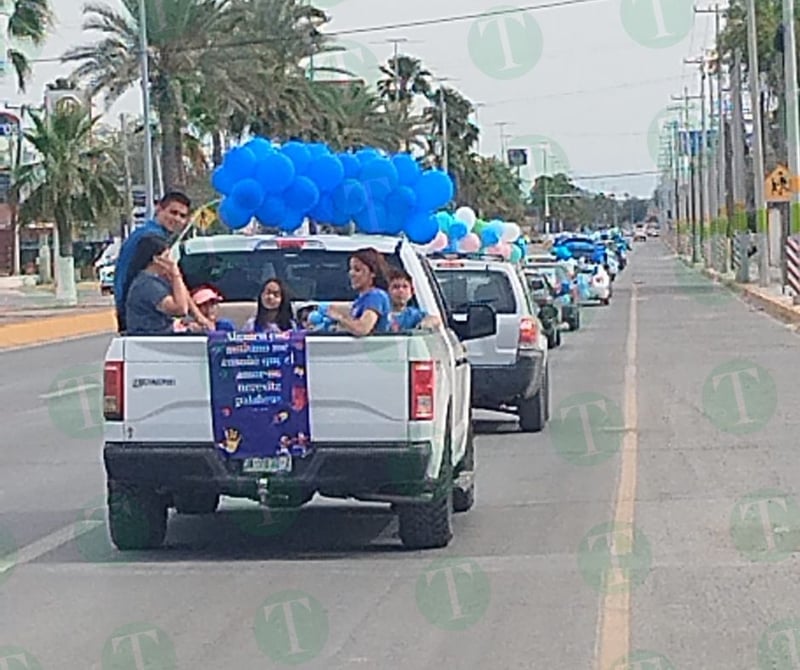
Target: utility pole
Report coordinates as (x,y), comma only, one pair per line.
(445,157)
(702,184)
(740,228)
(758,148)
(148,130)
(477,106)
(792,122)
(691,206)
(502,125)
(126,216)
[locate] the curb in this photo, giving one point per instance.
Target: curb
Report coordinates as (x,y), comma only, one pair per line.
(56,329)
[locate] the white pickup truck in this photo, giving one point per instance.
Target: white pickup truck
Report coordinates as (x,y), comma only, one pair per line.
(389,414)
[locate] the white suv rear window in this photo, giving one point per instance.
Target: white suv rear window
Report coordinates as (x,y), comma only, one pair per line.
(463,287)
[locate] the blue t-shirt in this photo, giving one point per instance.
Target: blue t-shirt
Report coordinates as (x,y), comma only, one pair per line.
(145,294)
(225,325)
(379,302)
(126,254)
(407,319)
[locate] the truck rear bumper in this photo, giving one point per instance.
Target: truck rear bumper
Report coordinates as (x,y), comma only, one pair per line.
(375,472)
(494,386)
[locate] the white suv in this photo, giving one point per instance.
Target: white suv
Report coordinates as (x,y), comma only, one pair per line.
(509,368)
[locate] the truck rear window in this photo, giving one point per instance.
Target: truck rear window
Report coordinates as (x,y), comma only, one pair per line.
(464,287)
(311,275)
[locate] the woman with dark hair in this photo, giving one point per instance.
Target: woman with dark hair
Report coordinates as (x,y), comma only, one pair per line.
(274,312)
(369,313)
(157,293)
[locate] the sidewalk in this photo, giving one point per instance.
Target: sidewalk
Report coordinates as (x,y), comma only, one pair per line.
(770,299)
(31,315)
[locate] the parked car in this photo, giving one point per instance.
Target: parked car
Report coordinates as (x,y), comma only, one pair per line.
(106,276)
(389,414)
(640,233)
(598,282)
(510,369)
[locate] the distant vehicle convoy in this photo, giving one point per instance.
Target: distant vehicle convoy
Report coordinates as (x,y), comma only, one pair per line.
(390,415)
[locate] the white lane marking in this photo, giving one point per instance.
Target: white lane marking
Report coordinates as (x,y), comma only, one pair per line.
(30,552)
(72,390)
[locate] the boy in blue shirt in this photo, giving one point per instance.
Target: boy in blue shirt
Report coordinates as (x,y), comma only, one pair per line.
(402,315)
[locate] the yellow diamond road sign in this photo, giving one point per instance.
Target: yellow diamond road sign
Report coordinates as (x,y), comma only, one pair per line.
(205,217)
(778,186)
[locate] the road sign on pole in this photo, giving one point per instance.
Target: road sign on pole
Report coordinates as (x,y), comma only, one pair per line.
(778,185)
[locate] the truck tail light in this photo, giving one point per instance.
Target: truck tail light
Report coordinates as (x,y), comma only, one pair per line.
(528,332)
(423,386)
(114,390)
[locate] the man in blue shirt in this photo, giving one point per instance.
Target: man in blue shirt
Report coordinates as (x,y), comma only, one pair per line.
(403,316)
(171,217)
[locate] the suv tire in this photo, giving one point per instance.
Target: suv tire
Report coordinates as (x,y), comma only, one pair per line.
(429,525)
(533,411)
(137,516)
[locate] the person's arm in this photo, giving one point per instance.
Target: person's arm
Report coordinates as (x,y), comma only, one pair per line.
(176,304)
(197,315)
(364,325)
(430,322)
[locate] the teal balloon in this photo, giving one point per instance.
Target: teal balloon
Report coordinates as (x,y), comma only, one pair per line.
(516,255)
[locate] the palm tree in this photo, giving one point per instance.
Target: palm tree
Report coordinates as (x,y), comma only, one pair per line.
(405,79)
(30,21)
(179,34)
(69,183)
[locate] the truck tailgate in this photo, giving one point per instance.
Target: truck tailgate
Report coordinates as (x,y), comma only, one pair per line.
(357,389)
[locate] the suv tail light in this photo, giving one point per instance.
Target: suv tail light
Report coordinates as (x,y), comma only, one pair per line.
(423,385)
(528,332)
(114,390)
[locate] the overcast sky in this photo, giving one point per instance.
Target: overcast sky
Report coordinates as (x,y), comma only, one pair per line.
(592,80)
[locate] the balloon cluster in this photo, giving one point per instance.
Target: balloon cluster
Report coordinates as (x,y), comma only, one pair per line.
(464,232)
(281,186)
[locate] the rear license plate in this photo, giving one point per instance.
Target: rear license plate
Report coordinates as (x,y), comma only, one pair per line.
(270,464)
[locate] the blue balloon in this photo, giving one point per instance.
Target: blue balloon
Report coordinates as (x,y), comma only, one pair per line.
(324,211)
(434,189)
(489,236)
(351,165)
(381,170)
(248,195)
(371,219)
(317,149)
(350,197)
(291,221)
(260,146)
(302,195)
(326,171)
(299,154)
(340,218)
(232,216)
(408,169)
(367,155)
(422,228)
(240,163)
(275,173)
(377,190)
(401,202)
(222,180)
(458,231)
(316,318)
(272,211)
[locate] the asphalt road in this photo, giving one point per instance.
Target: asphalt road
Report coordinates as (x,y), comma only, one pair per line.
(691,408)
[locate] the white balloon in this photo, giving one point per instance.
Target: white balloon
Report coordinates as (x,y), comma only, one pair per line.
(466,215)
(511,232)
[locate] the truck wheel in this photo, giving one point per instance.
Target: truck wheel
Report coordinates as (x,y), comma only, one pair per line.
(576,321)
(198,502)
(137,517)
(533,411)
(464,493)
(606,301)
(558,337)
(430,525)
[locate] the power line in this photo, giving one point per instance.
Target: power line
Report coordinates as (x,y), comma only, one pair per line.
(640,173)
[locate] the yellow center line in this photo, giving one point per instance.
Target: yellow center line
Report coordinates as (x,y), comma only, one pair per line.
(615,616)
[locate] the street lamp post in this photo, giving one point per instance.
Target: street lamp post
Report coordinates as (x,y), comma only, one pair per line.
(148,130)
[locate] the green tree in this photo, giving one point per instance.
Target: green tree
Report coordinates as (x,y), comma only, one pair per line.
(72,182)
(30,21)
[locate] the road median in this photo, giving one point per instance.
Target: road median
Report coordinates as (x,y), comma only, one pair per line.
(26,330)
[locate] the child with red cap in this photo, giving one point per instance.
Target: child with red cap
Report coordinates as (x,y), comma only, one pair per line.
(207,300)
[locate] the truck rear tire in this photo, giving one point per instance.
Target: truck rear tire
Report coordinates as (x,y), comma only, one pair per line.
(429,525)
(464,496)
(198,502)
(533,411)
(137,517)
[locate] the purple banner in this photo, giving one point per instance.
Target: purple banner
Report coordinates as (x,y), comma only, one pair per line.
(259,394)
